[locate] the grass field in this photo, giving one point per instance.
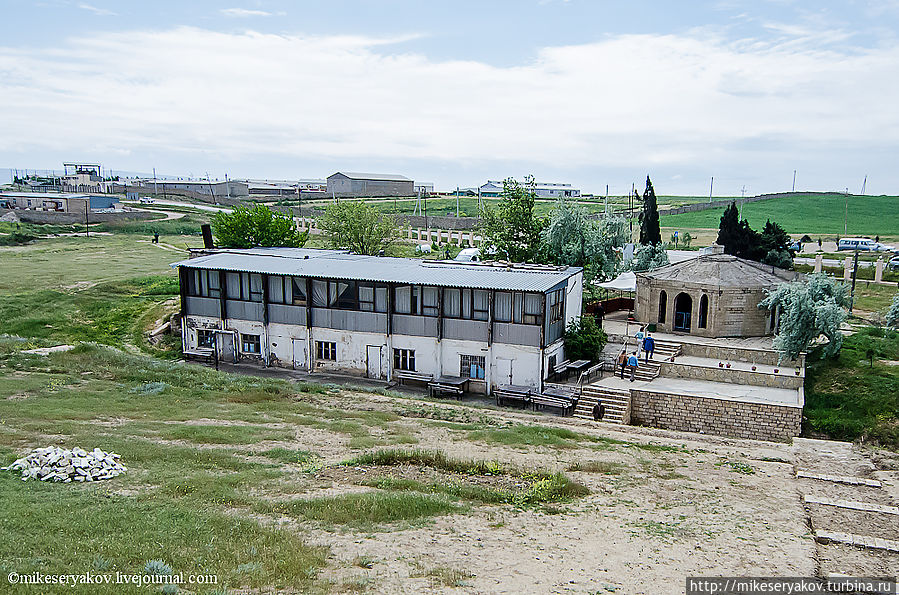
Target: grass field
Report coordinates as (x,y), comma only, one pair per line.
(813,214)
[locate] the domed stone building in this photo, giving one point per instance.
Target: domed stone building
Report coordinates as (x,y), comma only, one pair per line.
(713,295)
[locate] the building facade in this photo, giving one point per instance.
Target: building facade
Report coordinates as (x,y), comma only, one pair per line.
(330,310)
(714,295)
(59,203)
(361,185)
(494,188)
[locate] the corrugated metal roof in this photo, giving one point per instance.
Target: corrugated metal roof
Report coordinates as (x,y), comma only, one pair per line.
(339,264)
(382,177)
(721,270)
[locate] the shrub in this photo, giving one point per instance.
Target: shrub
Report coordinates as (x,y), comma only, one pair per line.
(584,339)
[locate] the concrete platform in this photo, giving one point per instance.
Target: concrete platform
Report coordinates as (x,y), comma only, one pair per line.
(616,324)
(707,362)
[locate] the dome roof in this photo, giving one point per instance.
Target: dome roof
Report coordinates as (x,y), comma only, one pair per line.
(723,271)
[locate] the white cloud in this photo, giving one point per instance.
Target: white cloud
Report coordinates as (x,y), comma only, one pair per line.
(244,12)
(628,101)
(103,12)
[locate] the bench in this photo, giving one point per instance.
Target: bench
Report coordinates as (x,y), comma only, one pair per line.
(437,389)
(516,395)
(402,375)
(542,400)
(561,367)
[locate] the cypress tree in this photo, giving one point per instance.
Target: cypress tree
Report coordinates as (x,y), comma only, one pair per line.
(649,217)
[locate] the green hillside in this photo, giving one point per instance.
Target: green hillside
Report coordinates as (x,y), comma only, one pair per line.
(808,213)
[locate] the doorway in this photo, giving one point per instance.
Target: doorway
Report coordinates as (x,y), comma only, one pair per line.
(299,354)
(683,308)
(503,371)
(373,365)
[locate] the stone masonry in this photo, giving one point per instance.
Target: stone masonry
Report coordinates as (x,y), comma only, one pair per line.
(737,419)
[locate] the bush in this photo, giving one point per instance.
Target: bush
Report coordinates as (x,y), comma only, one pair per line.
(16,238)
(584,339)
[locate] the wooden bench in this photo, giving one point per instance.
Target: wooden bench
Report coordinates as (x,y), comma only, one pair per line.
(542,400)
(403,375)
(517,395)
(561,368)
(437,389)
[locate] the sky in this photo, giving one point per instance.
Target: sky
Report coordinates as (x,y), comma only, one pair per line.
(589,92)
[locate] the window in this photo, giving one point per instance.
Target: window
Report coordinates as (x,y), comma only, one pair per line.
(366,298)
(703,311)
(249,343)
(404,359)
(452,303)
(532,309)
(556,305)
(246,287)
(479,305)
(319,293)
(663,306)
(298,285)
(471,366)
(502,306)
(205,338)
(403,299)
(345,297)
(326,350)
(429,301)
(203,283)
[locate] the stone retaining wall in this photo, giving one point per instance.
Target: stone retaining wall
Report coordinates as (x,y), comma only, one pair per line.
(744,354)
(734,376)
(759,421)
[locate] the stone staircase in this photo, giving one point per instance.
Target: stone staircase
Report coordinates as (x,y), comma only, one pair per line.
(617,404)
(667,349)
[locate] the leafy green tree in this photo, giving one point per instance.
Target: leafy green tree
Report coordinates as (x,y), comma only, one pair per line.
(512,226)
(648,257)
(249,227)
(893,312)
(358,227)
(686,240)
(649,217)
(808,310)
(584,339)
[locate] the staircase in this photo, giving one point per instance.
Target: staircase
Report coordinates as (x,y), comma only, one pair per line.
(666,349)
(646,371)
(616,402)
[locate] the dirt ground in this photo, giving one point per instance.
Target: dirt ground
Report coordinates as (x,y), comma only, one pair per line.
(687,505)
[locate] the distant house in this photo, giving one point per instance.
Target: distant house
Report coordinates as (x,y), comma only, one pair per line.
(82,177)
(57,202)
(198,188)
(424,187)
(494,188)
(359,184)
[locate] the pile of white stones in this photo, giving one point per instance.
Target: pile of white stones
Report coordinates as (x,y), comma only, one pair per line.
(61,464)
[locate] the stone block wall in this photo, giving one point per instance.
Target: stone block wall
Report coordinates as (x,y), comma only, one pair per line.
(732,375)
(743,354)
(759,421)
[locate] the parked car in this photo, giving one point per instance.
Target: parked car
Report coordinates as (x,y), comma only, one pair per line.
(863,245)
(469,255)
(893,264)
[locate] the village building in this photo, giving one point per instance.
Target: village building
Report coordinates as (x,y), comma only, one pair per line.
(714,295)
(353,184)
(380,317)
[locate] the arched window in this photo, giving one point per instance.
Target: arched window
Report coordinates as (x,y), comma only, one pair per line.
(703,311)
(663,306)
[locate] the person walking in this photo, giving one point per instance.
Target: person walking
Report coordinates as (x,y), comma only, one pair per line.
(639,336)
(649,346)
(632,362)
(622,362)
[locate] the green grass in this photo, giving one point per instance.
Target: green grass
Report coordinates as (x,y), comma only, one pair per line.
(813,214)
(605,467)
(847,398)
(189,225)
(522,435)
(83,523)
(216,434)
(289,455)
(368,510)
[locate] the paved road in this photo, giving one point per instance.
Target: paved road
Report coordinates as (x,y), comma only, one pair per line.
(174,203)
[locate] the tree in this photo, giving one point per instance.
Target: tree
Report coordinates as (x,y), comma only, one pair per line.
(649,217)
(737,237)
(246,227)
(584,339)
(893,312)
(358,227)
(649,257)
(775,245)
(686,240)
(808,309)
(512,227)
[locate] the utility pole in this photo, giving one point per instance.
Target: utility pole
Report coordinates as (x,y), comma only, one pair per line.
(794,180)
(457,201)
(864,183)
(155,189)
(846,220)
(711,186)
(607,199)
(854,275)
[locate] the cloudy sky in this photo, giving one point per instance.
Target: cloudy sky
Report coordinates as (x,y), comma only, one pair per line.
(592,92)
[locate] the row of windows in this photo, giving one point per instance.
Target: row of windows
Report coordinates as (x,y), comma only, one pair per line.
(470,366)
(466,304)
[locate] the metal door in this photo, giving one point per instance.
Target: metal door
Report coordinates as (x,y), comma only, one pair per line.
(299,354)
(226,347)
(373,354)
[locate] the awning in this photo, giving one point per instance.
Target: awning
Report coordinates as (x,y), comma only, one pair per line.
(623,282)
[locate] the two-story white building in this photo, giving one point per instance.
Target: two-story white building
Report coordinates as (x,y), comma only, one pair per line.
(332,310)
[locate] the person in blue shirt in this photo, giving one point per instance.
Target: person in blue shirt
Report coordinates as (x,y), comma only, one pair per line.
(639,336)
(632,362)
(649,346)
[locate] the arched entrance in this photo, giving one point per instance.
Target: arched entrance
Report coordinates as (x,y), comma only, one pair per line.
(663,306)
(683,307)
(703,311)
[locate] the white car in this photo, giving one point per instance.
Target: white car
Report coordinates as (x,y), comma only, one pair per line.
(893,264)
(469,255)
